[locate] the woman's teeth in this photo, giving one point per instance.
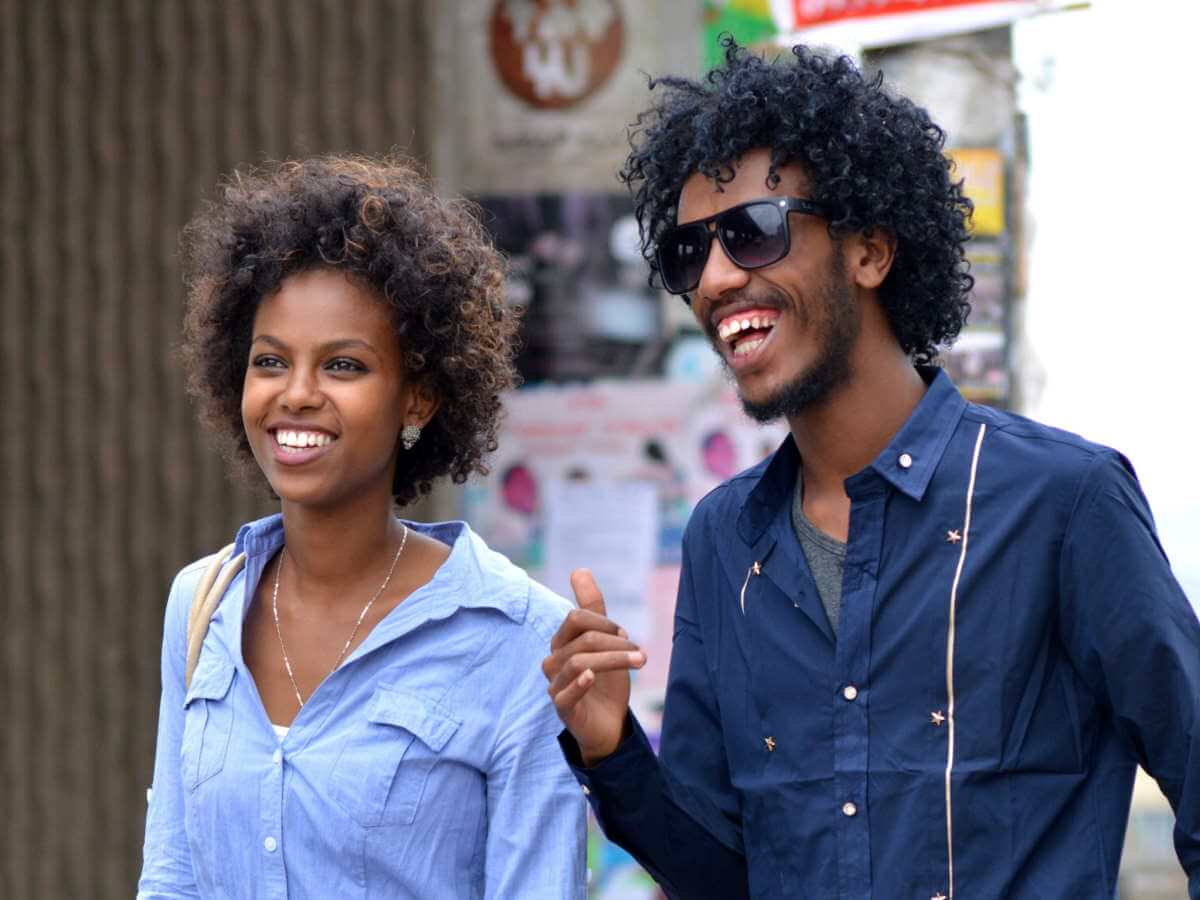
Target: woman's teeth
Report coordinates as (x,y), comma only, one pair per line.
(294,441)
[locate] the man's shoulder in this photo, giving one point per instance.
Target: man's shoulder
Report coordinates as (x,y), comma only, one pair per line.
(1030,443)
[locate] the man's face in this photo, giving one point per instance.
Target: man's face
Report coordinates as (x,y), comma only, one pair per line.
(802,319)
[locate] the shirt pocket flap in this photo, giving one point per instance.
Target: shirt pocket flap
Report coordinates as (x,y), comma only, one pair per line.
(421,716)
(211,680)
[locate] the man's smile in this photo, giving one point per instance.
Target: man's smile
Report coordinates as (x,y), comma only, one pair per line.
(745,331)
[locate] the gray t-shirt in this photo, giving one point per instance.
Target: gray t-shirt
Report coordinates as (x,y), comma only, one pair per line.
(826,556)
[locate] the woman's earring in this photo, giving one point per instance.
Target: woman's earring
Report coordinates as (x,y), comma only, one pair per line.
(409,435)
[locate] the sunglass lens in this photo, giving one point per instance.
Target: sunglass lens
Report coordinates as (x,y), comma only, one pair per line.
(681,256)
(754,235)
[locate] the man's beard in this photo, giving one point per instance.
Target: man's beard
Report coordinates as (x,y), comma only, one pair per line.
(836,328)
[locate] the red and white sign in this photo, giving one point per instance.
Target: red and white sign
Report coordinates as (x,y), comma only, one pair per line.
(878,23)
(554,53)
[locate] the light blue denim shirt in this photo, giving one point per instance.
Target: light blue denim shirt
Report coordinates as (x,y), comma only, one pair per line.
(425,766)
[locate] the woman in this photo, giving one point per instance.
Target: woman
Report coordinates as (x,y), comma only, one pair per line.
(366,717)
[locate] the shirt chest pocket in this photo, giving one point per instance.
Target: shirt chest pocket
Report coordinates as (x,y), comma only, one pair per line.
(380,775)
(208,720)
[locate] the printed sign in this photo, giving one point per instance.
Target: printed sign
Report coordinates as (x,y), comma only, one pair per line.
(554,53)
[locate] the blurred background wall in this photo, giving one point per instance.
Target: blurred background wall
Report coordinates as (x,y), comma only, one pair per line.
(117,119)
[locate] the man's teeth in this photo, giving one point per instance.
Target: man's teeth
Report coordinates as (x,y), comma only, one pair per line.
(298,440)
(744,347)
(731,327)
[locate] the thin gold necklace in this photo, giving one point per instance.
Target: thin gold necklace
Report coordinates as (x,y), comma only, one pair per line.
(287,663)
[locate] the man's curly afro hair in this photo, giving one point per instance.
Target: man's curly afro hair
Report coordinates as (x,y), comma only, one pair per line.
(427,258)
(874,159)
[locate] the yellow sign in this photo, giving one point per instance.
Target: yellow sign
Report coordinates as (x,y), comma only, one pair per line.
(982,172)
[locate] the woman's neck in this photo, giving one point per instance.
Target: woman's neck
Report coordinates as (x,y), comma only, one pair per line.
(331,548)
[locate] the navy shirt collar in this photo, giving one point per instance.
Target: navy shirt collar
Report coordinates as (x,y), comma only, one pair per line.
(907,463)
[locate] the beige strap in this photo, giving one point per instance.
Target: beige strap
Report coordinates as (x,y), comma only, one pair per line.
(205,601)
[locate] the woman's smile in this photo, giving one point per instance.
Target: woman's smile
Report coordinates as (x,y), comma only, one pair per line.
(297,447)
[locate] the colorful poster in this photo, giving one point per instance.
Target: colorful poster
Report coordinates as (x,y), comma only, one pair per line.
(584,472)
(982,172)
(749,21)
(978,362)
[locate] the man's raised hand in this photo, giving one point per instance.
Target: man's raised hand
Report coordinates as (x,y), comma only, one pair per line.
(588,670)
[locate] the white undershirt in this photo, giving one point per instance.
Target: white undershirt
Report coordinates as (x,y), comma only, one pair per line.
(280,730)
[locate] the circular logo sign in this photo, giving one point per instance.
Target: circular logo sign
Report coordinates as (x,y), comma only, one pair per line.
(554,53)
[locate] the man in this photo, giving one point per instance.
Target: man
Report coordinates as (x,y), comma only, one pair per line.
(920,651)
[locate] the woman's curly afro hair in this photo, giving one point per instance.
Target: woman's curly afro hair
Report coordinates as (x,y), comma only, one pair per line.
(873,158)
(428,259)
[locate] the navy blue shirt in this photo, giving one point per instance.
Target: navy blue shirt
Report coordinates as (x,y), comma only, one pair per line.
(1012,644)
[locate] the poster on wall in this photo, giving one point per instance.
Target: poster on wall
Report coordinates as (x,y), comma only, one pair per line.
(978,362)
(604,476)
(535,95)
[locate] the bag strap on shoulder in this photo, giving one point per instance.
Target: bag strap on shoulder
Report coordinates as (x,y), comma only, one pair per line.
(205,601)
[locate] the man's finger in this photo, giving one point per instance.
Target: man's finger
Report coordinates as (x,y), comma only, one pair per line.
(587,592)
(591,641)
(579,621)
(566,699)
(607,661)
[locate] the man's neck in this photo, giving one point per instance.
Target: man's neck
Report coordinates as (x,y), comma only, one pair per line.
(845,433)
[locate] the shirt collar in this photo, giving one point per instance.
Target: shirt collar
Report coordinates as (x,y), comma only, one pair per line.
(473,577)
(912,456)
(907,463)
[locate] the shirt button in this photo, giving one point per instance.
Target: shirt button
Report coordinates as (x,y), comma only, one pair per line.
(849,809)
(587,791)
(277,756)
(905,461)
(850,692)
(270,844)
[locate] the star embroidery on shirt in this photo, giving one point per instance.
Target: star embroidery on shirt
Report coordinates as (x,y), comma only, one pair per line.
(936,717)
(756,568)
(770,742)
(953,536)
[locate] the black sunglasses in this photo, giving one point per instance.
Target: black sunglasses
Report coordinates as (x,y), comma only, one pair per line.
(753,235)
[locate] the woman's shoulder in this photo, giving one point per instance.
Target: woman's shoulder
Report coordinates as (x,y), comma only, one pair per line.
(546,608)
(492,580)
(188,579)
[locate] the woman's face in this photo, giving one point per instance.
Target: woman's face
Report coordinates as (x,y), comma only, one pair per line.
(325,394)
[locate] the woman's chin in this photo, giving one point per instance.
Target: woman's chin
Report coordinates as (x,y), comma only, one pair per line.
(290,492)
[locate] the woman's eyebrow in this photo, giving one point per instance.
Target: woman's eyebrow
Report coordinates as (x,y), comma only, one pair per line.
(347,344)
(327,347)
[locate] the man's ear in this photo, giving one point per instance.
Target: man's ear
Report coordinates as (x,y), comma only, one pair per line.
(421,406)
(869,257)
